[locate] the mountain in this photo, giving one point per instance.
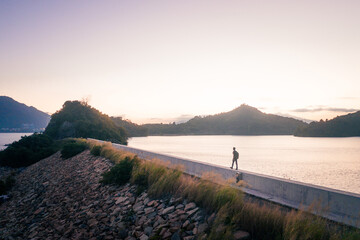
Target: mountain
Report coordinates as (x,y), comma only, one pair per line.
(341,126)
(244,120)
(17,117)
(78,119)
(132,129)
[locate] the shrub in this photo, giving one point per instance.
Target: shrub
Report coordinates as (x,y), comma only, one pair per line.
(7,184)
(120,173)
(28,150)
(72,148)
(2,188)
(96,150)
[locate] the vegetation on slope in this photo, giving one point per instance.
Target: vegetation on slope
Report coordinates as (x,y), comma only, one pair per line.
(244,120)
(132,129)
(342,126)
(78,119)
(17,117)
(262,221)
(28,150)
(6,184)
(72,147)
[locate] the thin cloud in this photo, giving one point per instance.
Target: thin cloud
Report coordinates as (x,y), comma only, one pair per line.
(321,109)
(348,98)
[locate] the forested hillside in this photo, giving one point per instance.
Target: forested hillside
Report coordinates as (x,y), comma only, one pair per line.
(342,126)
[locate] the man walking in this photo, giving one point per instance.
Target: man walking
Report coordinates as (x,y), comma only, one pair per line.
(235,158)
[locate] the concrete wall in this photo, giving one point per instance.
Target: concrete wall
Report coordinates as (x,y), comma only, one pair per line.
(340,206)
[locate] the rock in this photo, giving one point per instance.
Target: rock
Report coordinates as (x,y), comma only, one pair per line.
(121,199)
(190,213)
(180,206)
(168,210)
(33,234)
(92,222)
(241,235)
(151,203)
(148,230)
(162,232)
(144,237)
(161,206)
(189,238)
(185,224)
(149,210)
(189,206)
(166,234)
(175,200)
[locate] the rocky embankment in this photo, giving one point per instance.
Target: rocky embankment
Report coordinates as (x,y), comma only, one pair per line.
(63,199)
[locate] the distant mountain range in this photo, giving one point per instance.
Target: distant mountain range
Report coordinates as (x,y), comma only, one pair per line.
(17,117)
(342,126)
(244,120)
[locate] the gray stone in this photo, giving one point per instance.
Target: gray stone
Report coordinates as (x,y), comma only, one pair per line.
(179,206)
(166,234)
(149,210)
(148,230)
(120,200)
(190,213)
(168,210)
(144,237)
(189,206)
(241,235)
(185,224)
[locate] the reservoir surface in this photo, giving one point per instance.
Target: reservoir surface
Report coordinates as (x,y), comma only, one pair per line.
(329,162)
(7,138)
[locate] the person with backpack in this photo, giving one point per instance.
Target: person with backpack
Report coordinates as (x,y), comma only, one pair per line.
(235,158)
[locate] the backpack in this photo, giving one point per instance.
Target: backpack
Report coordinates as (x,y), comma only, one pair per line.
(236,155)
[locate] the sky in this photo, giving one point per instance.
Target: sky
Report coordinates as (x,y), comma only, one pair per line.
(164,61)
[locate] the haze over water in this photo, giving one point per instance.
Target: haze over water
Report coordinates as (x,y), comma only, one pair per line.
(328,162)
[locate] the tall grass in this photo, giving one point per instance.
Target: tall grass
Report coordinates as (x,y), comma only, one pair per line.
(262,221)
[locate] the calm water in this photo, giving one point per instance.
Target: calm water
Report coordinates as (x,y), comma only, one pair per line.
(329,162)
(6,138)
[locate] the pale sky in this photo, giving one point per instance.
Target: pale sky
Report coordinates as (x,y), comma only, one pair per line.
(147,60)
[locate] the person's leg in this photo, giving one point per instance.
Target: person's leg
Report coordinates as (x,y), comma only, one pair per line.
(236,165)
(232,165)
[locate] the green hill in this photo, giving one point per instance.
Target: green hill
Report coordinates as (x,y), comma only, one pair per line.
(342,126)
(244,120)
(78,119)
(17,117)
